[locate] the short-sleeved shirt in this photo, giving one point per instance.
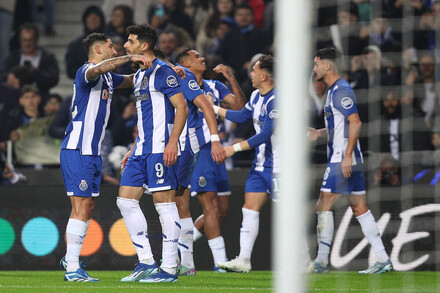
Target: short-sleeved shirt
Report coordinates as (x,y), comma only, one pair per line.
(217,91)
(339,105)
(90,111)
(152,90)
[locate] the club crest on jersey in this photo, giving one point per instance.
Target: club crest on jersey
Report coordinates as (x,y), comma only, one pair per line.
(172,81)
(274,114)
(144,84)
(202,181)
(193,85)
(347,103)
(104,94)
(83,185)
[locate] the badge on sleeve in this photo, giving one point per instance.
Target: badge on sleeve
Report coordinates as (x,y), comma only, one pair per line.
(347,103)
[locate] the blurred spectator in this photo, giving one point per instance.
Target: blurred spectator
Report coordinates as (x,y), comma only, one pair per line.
(242,43)
(350,29)
(62,118)
(41,62)
(93,21)
(122,17)
(424,85)
(52,105)
(222,9)
(139,8)
(28,110)
(381,35)
(23,14)
(400,8)
(170,11)
(388,173)
(424,33)
(268,20)
(258,8)
(373,72)
(168,44)
(221,31)
(7,8)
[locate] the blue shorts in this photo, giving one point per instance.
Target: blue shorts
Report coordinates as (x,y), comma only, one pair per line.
(259,182)
(335,182)
(149,170)
(185,167)
(81,173)
(208,176)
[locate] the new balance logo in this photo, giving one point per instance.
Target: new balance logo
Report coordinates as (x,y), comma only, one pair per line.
(159,181)
(140,233)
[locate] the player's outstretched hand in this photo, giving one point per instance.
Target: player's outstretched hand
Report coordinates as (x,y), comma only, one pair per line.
(313,134)
(346,166)
(225,70)
(143,61)
(170,154)
(218,152)
(179,71)
(229,151)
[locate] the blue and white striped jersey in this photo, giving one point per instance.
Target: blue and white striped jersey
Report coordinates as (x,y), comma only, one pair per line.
(340,103)
(262,110)
(191,90)
(152,89)
(218,91)
(90,111)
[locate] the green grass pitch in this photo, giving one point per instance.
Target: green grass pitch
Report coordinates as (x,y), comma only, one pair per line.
(207,281)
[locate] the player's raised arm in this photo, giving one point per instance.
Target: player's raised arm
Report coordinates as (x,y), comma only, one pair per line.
(217,151)
(170,153)
(237,100)
(111,64)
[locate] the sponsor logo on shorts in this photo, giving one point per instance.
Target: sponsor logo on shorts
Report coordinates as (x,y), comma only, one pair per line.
(172,81)
(193,85)
(144,83)
(202,181)
(159,181)
(83,185)
(347,103)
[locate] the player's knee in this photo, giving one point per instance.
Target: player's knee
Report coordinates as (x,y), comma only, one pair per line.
(359,209)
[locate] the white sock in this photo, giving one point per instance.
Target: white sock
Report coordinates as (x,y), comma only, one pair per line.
(196,234)
(325,230)
(137,228)
(248,233)
(218,250)
(76,231)
(169,220)
(371,231)
(186,242)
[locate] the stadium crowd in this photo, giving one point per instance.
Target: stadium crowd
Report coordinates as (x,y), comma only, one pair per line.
(224,31)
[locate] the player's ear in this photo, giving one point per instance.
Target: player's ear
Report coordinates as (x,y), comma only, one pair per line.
(97,49)
(145,46)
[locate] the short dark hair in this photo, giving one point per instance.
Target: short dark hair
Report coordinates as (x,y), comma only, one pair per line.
(266,63)
(326,53)
(30,26)
(56,96)
(182,54)
(145,33)
(243,6)
(29,88)
(92,38)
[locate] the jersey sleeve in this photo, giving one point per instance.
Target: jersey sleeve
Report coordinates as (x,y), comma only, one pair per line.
(167,81)
(268,126)
(189,87)
(345,101)
(117,79)
(240,116)
(222,90)
(81,78)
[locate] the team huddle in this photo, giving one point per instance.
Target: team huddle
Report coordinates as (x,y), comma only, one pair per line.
(178,150)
